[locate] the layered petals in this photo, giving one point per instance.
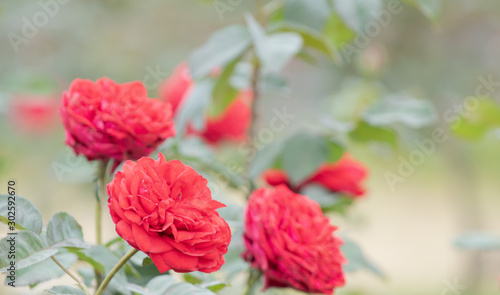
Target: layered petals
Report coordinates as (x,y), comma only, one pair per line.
(165,209)
(288,238)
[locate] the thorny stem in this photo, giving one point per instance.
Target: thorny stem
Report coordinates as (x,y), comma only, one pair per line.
(84,288)
(115,269)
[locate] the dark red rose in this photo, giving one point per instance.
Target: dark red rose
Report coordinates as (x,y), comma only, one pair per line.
(288,238)
(231,125)
(106,120)
(165,209)
(344,176)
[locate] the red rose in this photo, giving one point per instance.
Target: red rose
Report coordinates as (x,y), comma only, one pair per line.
(165,209)
(232,124)
(344,176)
(289,239)
(106,120)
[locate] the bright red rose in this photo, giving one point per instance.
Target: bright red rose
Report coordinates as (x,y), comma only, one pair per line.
(165,209)
(288,238)
(106,120)
(344,176)
(231,125)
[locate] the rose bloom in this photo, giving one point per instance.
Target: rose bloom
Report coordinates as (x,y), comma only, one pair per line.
(165,209)
(344,176)
(288,238)
(106,120)
(232,124)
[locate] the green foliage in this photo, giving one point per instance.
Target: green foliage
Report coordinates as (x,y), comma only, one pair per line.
(477,122)
(27,215)
(328,201)
(165,285)
(64,290)
(222,47)
(357,13)
(415,113)
(194,107)
(299,155)
(44,270)
(224,93)
(29,249)
(64,231)
(366,133)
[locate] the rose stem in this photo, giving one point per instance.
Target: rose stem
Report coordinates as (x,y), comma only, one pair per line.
(115,269)
(253,278)
(84,288)
(100,193)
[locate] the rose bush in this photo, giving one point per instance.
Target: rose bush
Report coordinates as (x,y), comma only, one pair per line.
(288,238)
(106,120)
(344,176)
(231,124)
(165,209)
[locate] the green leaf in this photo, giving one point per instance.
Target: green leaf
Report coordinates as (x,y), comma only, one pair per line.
(103,259)
(224,93)
(415,113)
(159,285)
(337,32)
(45,270)
(335,151)
(302,155)
(430,8)
(29,249)
(366,133)
(357,259)
(327,200)
(357,13)
(276,50)
(27,215)
(478,241)
(194,108)
(309,13)
(265,158)
(64,290)
(310,38)
(221,48)
(204,280)
(64,231)
(475,124)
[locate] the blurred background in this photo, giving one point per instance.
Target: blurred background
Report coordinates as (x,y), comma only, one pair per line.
(407,229)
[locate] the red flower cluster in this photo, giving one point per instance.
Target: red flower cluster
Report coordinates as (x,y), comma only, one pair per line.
(232,124)
(165,209)
(290,240)
(106,120)
(345,176)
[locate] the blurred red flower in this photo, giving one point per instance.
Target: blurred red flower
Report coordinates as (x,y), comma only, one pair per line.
(344,176)
(165,209)
(231,125)
(288,238)
(106,120)
(34,114)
